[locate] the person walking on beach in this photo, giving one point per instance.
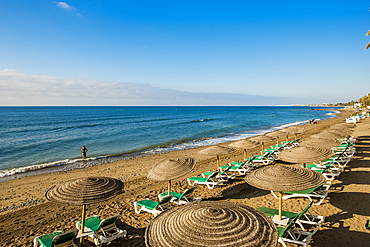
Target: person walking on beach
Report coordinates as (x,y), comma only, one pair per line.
(84,150)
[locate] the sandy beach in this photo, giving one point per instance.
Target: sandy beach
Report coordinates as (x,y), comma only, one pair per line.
(25,213)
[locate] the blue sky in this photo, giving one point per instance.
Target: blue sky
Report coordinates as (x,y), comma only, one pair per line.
(183,52)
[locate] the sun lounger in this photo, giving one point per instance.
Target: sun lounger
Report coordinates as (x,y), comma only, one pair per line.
(349,139)
(334,164)
(211,181)
(351,120)
(241,167)
(266,159)
(56,239)
(273,149)
(291,144)
(183,198)
(291,234)
(319,192)
(103,231)
(327,172)
(346,148)
(305,220)
(223,174)
(153,207)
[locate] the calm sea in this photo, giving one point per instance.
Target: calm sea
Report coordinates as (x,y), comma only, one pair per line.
(35,137)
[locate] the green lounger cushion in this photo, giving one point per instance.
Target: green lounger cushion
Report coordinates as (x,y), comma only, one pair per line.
(308,191)
(175,194)
(148,204)
(224,167)
(93,223)
(207,173)
(198,179)
(235,165)
(271,212)
(47,239)
(281,230)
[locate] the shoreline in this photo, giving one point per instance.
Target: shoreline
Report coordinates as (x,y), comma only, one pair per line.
(126,167)
(79,163)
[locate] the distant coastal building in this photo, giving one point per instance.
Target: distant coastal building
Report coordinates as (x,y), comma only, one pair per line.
(357,105)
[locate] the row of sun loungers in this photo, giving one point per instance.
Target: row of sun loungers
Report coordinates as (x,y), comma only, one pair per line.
(299,228)
(208,178)
(268,156)
(330,169)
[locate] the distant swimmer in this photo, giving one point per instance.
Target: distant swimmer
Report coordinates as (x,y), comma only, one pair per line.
(84,150)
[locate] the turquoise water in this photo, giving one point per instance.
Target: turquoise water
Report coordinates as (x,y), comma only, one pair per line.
(36,137)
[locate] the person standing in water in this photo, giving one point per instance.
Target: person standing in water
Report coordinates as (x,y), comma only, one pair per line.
(84,150)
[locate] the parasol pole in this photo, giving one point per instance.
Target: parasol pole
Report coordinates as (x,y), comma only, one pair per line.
(82,223)
(277,142)
(245,154)
(296,136)
(218,163)
(280,204)
(287,138)
(263,147)
(169,187)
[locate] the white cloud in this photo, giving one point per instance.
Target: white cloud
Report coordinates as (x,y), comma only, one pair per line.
(17,88)
(64,5)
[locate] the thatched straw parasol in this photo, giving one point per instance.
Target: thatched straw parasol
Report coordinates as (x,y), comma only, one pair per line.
(328,135)
(284,178)
(277,134)
(297,129)
(217,150)
(320,142)
(211,224)
(340,132)
(245,144)
(170,169)
(343,126)
(85,191)
(262,138)
(305,154)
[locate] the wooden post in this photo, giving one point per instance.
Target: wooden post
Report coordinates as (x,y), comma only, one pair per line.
(304,165)
(280,204)
(245,154)
(287,138)
(277,142)
(218,163)
(296,136)
(169,187)
(82,223)
(263,147)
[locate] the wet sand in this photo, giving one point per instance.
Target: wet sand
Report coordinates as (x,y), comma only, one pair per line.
(345,208)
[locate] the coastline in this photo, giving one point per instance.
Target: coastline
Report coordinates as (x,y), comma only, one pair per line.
(79,163)
(49,217)
(123,169)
